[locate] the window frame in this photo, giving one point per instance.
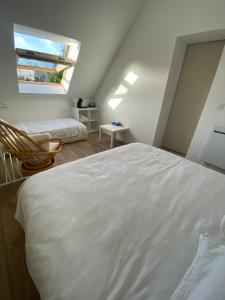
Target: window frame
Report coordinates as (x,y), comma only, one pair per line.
(62,63)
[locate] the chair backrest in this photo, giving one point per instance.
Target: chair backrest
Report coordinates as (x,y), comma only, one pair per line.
(17,142)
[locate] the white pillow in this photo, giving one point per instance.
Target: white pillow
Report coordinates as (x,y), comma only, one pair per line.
(205,278)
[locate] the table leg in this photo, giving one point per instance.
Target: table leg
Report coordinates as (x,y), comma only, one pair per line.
(112,139)
(100,135)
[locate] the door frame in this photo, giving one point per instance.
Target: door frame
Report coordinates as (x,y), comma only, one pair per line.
(180,48)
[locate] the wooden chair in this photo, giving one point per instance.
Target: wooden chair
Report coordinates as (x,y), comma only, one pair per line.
(36,151)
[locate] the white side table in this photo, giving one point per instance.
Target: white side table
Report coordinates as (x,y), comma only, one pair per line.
(111,130)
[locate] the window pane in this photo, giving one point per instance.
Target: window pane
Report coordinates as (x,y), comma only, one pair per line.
(35,63)
(33,43)
(39,76)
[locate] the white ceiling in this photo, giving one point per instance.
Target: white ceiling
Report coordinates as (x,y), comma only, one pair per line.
(100,25)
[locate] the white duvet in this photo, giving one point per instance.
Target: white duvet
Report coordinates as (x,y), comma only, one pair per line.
(63,128)
(123,224)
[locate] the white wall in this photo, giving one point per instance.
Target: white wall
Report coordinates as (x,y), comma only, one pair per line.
(100,26)
(148,51)
(211,115)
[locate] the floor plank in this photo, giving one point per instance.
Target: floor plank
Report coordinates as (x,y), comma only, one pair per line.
(15,282)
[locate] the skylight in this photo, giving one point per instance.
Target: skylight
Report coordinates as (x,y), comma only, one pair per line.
(45,61)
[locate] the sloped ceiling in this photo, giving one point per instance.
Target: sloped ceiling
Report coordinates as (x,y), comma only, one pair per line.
(100,25)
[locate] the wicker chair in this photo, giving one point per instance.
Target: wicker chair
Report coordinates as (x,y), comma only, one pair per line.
(36,151)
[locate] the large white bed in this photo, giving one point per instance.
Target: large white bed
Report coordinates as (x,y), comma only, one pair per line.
(122,224)
(68,129)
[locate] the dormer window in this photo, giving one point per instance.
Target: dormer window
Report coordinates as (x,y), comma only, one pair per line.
(45,61)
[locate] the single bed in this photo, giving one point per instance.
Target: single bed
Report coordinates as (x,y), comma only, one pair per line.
(68,129)
(118,225)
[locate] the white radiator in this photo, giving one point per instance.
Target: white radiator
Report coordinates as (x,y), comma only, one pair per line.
(9,169)
(213,152)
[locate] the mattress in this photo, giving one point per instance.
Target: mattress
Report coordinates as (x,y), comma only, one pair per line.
(122,224)
(68,129)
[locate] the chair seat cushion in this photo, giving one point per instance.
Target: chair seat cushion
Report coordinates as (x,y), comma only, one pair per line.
(38,137)
(52,146)
(49,146)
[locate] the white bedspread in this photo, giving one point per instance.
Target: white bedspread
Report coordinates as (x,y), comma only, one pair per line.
(123,224)
(64,128)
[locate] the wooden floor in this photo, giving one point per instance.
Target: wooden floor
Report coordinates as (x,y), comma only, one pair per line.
(15,282)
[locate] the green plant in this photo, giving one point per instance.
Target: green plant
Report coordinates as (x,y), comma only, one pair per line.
(55,77)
